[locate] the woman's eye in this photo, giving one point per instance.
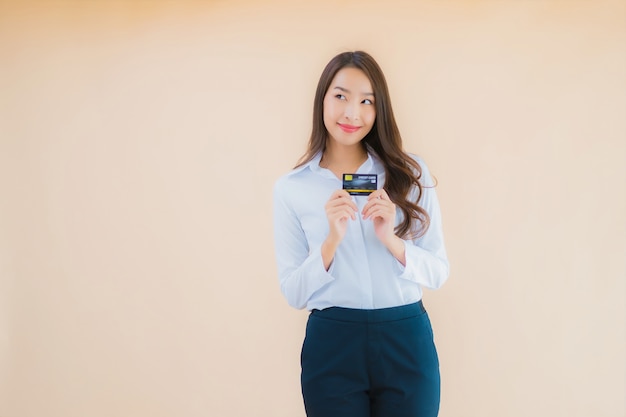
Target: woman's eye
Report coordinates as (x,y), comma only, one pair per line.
(367,101)
(340,96)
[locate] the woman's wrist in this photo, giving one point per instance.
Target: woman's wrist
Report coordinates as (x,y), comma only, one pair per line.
(329,247)
(395,245)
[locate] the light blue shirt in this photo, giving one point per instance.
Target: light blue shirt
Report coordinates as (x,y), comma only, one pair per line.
(363,273)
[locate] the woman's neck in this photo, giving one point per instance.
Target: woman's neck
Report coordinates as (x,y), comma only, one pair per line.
(343,159)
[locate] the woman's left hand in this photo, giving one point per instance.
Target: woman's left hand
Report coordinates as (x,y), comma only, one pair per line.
(382,211)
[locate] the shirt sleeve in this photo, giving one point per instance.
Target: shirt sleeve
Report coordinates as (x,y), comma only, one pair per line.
(301,269)
(426,259)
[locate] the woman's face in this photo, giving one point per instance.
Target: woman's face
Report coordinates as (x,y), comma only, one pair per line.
(349,110)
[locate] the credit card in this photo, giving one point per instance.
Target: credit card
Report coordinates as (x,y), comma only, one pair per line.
(360,184)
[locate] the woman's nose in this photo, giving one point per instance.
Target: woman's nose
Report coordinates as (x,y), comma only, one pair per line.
(351,112)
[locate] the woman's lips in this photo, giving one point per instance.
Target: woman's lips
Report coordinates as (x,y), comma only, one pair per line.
(349,128)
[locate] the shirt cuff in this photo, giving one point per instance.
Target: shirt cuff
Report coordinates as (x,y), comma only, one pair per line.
(404,271)
(324,276)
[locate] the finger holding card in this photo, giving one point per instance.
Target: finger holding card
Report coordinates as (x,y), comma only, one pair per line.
(339,209)
(382,211)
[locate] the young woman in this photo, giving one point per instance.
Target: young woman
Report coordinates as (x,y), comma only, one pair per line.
(359,263)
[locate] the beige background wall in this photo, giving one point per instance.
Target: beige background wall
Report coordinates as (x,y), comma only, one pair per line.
(137,275)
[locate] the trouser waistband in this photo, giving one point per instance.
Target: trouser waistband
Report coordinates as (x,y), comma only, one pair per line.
(371,316)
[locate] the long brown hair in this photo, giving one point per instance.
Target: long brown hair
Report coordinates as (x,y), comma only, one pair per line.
(402,172)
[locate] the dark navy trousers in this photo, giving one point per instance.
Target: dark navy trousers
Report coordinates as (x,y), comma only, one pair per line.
(370,363)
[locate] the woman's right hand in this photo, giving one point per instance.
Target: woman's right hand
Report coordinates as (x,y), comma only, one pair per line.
(339,209)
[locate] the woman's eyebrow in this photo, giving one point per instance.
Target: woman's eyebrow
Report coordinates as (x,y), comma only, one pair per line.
(345,90)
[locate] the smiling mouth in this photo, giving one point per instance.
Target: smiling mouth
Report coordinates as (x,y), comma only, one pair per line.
(349,128)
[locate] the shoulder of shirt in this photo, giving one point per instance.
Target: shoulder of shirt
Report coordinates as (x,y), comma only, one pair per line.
(290,177)
(427,178)
(295,171)
(419,160)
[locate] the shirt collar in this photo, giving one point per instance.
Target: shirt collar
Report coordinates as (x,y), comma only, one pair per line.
(371,165)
